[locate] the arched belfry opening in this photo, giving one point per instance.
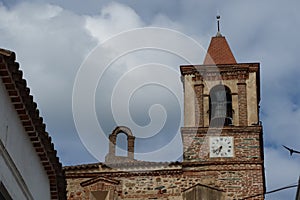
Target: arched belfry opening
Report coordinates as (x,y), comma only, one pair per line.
(220,106)
(121,145)
(111,156)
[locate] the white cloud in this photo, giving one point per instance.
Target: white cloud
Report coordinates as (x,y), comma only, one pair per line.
(51,41)
(50,44)
(112,20)
(161,20)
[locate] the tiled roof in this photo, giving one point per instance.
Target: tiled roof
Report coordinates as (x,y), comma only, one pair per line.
(135,163)
(142,164)
(97,171)
(28,113)
(219,52)
(84,166)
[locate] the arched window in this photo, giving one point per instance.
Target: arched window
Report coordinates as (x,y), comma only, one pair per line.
(220,106)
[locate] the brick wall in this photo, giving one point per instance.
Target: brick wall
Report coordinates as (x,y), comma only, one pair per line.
(247,141)
(242,97)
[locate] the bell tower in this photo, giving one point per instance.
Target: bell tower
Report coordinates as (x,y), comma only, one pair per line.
(222,132)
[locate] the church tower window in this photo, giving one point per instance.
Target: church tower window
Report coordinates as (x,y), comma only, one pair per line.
(220,106)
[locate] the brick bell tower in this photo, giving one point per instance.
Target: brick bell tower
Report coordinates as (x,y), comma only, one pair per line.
(222,133)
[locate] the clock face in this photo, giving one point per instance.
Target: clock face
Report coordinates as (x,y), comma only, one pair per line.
(220,147)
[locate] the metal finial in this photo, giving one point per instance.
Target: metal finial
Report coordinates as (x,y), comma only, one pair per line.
(218,23)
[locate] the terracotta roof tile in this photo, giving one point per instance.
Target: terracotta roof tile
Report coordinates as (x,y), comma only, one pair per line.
(26,108)
(135,163)
(84,166)
(219,52)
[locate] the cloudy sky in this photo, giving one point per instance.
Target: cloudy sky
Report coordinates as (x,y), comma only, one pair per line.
(54,39)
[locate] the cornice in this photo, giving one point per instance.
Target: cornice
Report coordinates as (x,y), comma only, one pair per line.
(221,163)
(225,71)
(256,129)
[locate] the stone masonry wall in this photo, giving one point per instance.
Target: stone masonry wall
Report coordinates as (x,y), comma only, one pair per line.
(237,181)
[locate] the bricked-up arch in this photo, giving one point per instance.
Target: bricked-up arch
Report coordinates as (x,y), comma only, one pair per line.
(130,141)
(220,106)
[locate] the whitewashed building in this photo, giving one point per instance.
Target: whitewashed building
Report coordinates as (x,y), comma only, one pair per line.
(29,167)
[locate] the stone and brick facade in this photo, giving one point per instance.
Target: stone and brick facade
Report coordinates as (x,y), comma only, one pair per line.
(236,116)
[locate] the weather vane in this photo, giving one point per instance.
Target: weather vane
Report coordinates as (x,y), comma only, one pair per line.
(218,24)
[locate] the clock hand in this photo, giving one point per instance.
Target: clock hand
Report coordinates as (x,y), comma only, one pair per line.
(215,150)
(218,150)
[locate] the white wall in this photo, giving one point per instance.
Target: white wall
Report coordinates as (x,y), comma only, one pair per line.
(20,169)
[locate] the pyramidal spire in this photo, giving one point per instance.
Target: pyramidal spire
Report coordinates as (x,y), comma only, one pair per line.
(219,51)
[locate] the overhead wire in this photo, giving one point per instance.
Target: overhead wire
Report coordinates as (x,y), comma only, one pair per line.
(272,191)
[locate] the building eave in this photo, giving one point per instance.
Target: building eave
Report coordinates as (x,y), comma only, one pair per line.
(26,108)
